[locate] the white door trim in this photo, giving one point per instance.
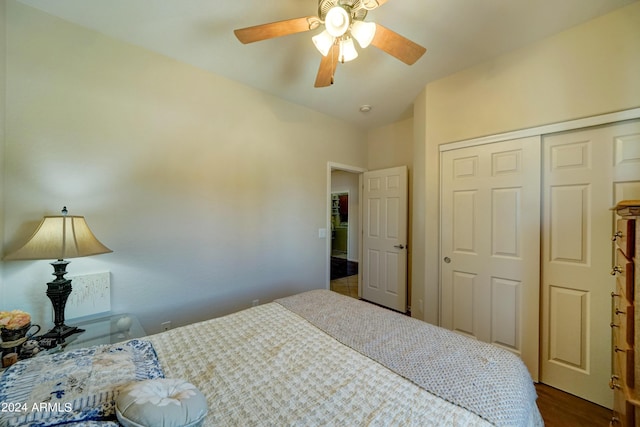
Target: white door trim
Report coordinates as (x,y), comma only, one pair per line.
(602,119)
(331,166)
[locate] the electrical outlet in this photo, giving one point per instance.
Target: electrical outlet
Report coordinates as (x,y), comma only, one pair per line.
(255,302)
(166,325)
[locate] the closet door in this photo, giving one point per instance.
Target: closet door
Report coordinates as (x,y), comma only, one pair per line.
(490,245)
(585,172)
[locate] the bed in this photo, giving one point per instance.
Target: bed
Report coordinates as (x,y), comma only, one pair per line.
(316,358)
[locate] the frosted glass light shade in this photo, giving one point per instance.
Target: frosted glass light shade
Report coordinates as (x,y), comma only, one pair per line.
(60,237)
(337,21)
(363,32)
(323,42)
(348,51)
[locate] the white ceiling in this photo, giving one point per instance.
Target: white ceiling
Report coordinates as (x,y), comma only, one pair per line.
(456,33)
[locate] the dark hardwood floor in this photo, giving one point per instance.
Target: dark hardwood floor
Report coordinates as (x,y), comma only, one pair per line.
(560,409)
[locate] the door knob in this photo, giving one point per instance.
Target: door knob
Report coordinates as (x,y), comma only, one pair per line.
(616,269)
(447,259)
(612,382)
(398,246)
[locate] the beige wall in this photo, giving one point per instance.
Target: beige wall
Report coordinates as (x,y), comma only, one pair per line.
(3,42)
(390,146)
(210,193)
(588,70)
(188,176)
(420,211)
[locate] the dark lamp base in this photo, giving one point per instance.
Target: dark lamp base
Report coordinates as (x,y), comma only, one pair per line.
(57,335)
(61,332)
(58,291)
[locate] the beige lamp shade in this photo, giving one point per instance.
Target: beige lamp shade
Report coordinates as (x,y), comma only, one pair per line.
(60,237)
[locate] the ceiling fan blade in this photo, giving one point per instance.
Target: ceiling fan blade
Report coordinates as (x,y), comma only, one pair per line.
(276,29)
(396,45)
(328,66)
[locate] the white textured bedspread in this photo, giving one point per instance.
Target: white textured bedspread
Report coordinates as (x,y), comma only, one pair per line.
(269,366)
(489,381)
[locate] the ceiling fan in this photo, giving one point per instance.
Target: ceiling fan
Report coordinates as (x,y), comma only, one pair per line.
(343,21)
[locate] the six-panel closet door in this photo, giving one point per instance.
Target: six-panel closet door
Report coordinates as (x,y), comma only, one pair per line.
(586,172)
(490,244)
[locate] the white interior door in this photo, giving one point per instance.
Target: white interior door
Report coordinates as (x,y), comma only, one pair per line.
(384,222)
(490,215)
(585,173)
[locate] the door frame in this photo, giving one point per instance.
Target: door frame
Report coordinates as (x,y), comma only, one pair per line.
(333,166)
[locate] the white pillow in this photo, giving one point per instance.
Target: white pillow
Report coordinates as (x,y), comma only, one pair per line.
(161,402)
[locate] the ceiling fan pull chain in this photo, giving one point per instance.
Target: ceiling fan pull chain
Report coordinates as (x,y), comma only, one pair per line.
(333,64)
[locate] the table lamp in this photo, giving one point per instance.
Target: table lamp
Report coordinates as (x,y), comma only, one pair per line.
(59,237)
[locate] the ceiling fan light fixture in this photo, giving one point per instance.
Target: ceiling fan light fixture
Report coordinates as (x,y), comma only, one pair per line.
(344,22)
(363,32)
(323,42)
(337,21)
(348,51)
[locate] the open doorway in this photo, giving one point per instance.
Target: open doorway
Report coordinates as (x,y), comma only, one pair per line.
(343,241)
(344,266)
(339,225)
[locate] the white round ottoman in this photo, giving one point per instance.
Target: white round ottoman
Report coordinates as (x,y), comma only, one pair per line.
(161,402)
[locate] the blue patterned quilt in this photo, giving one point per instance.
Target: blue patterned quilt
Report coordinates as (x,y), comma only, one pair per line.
(75,386)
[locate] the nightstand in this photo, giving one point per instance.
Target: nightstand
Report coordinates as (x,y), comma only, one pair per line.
(98,330)
(108,329)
